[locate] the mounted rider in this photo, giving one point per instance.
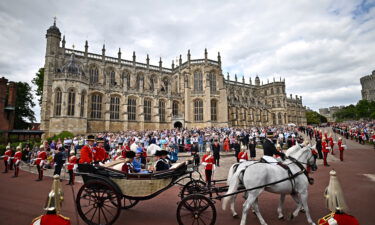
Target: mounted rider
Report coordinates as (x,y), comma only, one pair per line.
(336,204)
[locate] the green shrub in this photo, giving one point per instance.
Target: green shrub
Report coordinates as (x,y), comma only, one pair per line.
(62,135)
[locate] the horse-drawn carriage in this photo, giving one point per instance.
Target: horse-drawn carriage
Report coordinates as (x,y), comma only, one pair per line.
(107,190)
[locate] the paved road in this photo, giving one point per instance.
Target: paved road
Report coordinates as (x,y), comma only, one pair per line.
(22,198)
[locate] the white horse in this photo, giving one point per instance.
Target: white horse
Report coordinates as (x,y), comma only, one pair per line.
(254,174)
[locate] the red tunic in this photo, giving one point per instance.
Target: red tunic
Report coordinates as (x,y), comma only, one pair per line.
(7,154)
(339,143)
(243,156)
(86,155)
(341,219)
(42,155)
(100,154)
(72,162)
(209,159)
(51,219)
(324,147)
(331,142)
(17,156)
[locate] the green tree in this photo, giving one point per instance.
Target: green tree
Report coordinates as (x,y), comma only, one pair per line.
(24,104)
(38,82)
(315,118)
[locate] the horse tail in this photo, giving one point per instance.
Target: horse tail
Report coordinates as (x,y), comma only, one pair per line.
(232,170)
(233,186)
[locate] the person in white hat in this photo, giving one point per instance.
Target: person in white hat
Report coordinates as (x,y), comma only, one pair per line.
(335,202)
(208,163)
(341,149)
(70,166)
(40,162)
(17,160)
(7,158)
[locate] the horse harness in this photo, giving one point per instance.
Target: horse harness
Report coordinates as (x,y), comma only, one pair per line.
(291,177)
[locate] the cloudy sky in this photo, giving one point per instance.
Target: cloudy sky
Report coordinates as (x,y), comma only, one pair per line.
(320,47)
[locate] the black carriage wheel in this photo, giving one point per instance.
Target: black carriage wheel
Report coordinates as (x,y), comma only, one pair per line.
(196,209)
(193,187)
(98,203)
(128,203)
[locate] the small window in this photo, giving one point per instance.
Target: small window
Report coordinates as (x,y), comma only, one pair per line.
(147,110)
(58,101)
(71,102)
(114,108)
(132,109)
(96,106)
(198,110)
(213,110)
(162,110)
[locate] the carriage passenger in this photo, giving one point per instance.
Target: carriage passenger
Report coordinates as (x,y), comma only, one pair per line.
(128,165)
(162,163)
(87,155)
(139,162)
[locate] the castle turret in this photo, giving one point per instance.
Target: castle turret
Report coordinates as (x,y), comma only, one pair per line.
(257,81)
(53,39)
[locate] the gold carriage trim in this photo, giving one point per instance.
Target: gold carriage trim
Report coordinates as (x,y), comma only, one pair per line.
(141,188)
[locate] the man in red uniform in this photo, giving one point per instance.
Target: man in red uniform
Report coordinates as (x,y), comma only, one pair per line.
(128,166)
(208,163)
(336,204)
(40,161)
(53,207)
(242,156)
(100,155)
(341,149)
(325,151)
(70,166)
(87,155)
(17,160)
(7,157)
(331,144)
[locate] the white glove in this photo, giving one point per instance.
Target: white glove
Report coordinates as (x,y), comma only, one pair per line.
(204,164)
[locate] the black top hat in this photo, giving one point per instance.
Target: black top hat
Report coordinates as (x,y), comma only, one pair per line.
(90,138)
(101,140)
(129,154)
(161,153)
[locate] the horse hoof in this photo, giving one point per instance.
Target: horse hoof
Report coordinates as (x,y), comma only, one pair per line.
(302,211)
(235,215)
(281,217)
(291,217)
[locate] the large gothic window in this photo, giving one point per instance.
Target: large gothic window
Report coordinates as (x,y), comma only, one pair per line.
(96,106)
(132,109)
(213,110)
(175,108)
(198,110)
(212,78)
(83,96)
(94,75)
(162,110)
(58,101)
(71,102)
(114,108)
(147,110)
(198,81)
(112,75)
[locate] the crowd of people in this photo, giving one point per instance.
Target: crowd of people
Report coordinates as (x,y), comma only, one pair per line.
(360,131)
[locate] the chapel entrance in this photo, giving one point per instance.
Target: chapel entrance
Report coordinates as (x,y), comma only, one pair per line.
(177,124)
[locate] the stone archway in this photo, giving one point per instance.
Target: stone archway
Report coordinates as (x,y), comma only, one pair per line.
(177,124)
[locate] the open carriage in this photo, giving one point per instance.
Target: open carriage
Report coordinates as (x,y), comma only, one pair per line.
(106,191)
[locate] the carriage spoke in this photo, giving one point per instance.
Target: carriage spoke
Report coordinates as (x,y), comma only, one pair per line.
(109,206)
(108,210)
(89,211)
(105,217)
(99,214)
(202,220)
(93,214)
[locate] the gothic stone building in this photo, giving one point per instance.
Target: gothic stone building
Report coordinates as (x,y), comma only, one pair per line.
(368,87)
(88,93)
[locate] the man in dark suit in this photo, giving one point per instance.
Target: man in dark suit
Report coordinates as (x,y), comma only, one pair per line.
(59,160)
(269,147)
(237,148)
(319,146)
(216,151)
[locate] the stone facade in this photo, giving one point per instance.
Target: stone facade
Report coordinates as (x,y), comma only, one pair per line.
(87,93)
(368,87)
(329,112)
(7,104)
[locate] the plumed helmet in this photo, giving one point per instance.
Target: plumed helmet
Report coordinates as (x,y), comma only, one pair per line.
(55,196)
(41,146)
(333,194)
(243,147)
(8,146)
(72,152)
(208,150)
(19,147)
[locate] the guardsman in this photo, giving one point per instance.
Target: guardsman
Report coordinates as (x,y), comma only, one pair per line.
(331,143)
(100,155)
(53,207)
(7,157)
(341,149)
(336,204)
(208,162)
(325,151)
(243,156)
(87,155)
(72,162)
(17,160)
(40,162)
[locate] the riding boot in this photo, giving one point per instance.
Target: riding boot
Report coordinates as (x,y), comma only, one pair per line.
(6,167)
